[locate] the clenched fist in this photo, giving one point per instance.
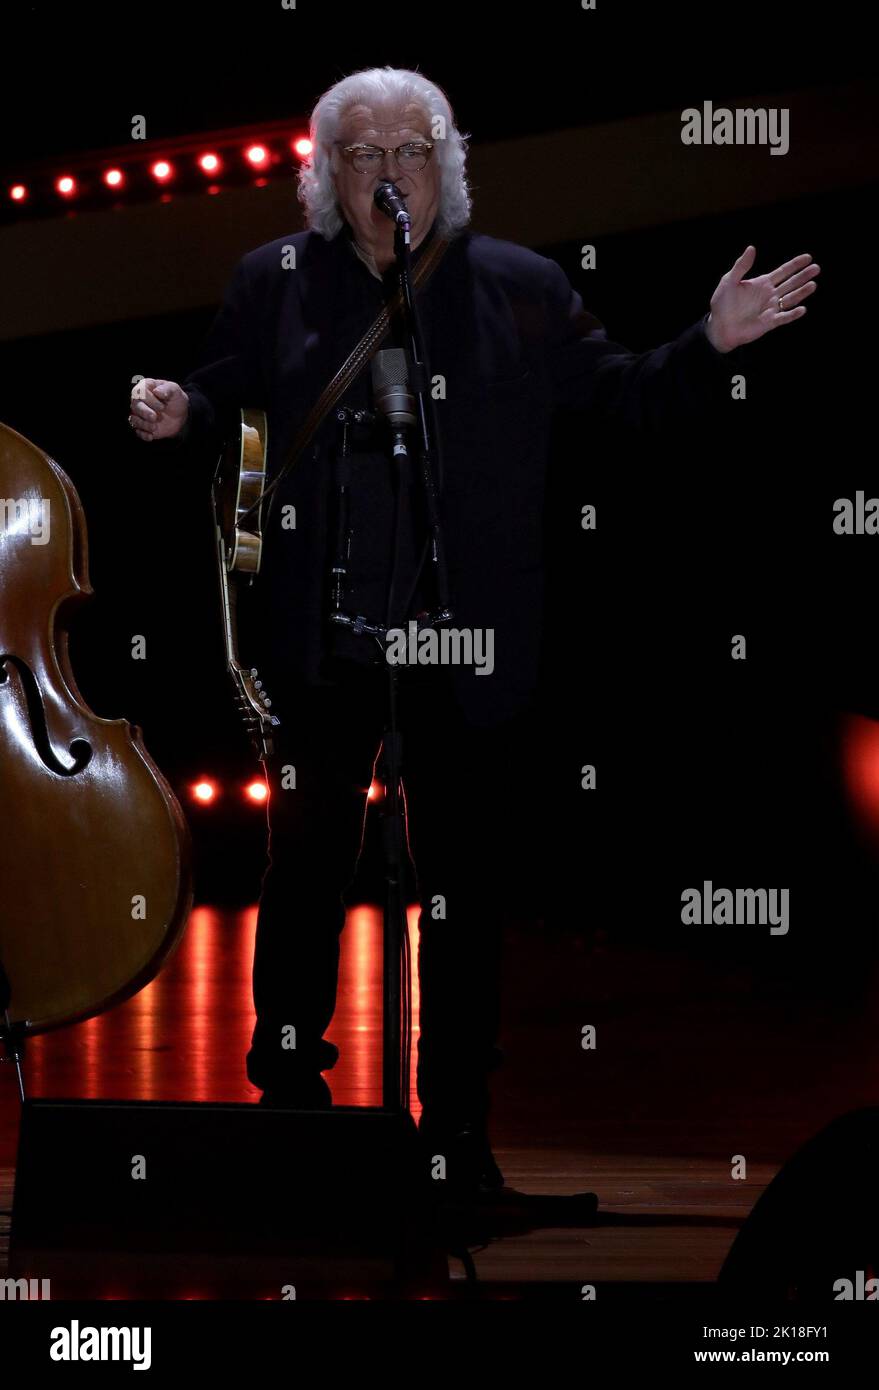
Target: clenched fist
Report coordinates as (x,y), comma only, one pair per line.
(158,409)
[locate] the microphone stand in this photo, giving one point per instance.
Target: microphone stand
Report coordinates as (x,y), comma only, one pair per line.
(397,967)
(397,960)
(11,1034)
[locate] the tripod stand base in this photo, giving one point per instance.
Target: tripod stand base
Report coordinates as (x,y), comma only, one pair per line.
(477,1222)
(12,1043)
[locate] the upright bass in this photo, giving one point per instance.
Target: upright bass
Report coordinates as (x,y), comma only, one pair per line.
(95,883)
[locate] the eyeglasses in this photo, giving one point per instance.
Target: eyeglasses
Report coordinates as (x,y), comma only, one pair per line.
(368,158)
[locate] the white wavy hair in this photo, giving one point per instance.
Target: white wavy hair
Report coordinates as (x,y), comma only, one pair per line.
(376,87)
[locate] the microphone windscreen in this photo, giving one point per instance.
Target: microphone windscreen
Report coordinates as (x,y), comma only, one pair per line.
(390,386)
(389,368)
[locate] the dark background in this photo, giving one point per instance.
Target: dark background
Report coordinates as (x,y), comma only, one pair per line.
(707,768)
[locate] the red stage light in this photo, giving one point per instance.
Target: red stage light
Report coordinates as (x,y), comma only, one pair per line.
(114,178)
(303,147)
(257,155)
(375,791)
(257,791)
(66,186)
(205,792)
(209,163)
(859,739)
(161,170)
(18,192)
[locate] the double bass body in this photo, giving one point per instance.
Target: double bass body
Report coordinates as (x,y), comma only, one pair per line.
(95,881)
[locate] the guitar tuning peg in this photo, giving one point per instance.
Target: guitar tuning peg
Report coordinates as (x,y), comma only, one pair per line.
(257,685)
(254,671)
(267,702)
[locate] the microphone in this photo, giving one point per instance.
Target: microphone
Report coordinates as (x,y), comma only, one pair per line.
(390,200)
(390,385)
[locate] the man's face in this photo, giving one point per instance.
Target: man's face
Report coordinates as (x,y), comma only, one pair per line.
(387,127)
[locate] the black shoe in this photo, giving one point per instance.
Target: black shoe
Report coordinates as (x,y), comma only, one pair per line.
(313,1094)
(471,1171)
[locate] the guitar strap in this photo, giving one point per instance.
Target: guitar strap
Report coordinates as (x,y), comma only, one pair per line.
(365,349)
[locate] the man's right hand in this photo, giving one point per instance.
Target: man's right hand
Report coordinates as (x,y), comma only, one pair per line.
(159,409)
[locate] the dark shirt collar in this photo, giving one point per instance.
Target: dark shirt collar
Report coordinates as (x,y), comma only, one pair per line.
(389,278)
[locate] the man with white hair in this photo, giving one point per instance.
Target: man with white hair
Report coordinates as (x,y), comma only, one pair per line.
(507,340)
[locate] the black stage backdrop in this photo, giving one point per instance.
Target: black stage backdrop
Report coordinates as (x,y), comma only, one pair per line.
(707,768)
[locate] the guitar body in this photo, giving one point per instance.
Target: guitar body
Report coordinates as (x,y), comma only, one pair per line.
(238,486)
(239,483)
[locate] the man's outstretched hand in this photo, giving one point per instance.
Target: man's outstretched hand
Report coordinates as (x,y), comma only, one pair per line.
(158,409)
(743,310)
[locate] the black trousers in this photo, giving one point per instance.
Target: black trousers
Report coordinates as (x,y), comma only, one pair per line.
(461,786)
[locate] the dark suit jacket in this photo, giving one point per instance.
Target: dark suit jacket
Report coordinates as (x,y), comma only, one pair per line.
(510,336)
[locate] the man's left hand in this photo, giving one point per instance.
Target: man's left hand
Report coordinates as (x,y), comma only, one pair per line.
(743,310)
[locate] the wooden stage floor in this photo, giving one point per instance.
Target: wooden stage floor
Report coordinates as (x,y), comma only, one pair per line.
(696,1062)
